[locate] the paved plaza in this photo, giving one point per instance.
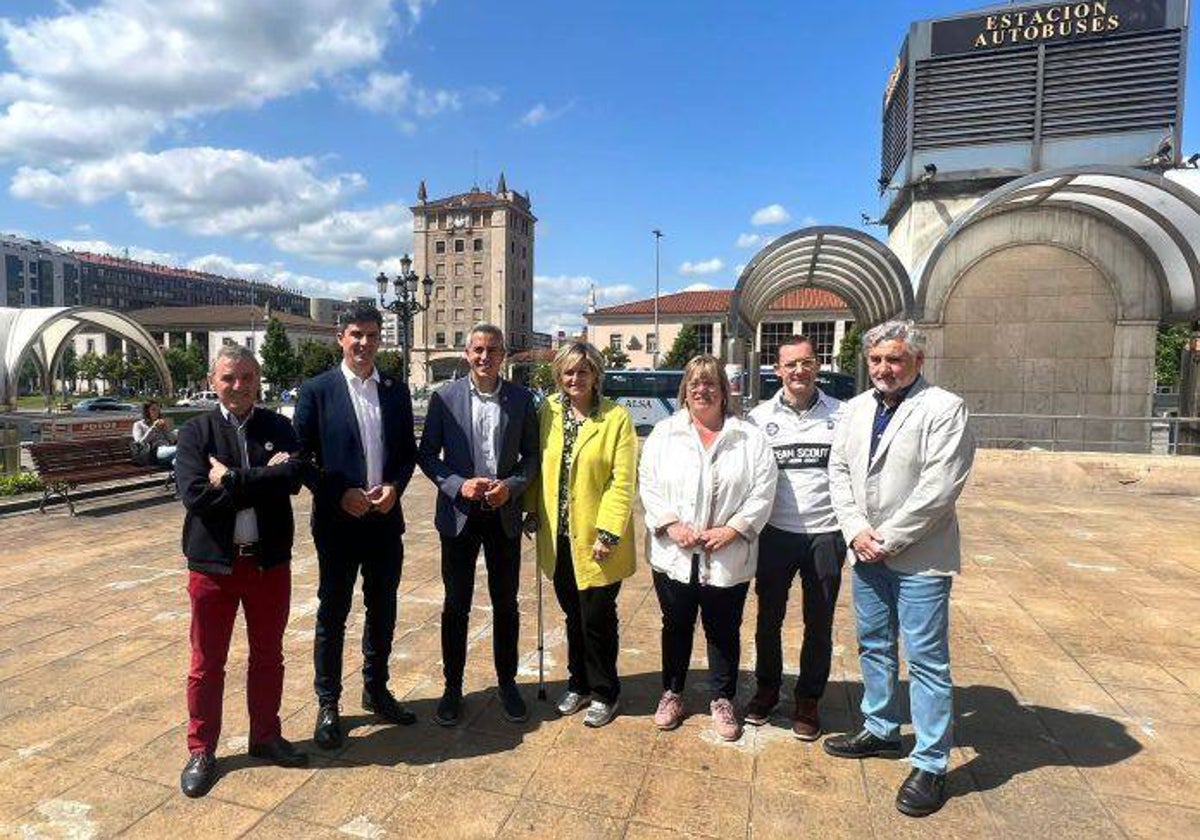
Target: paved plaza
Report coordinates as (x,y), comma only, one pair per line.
(1076,665)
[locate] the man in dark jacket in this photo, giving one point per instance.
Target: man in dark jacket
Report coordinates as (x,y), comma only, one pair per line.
(236,474)
(356,424)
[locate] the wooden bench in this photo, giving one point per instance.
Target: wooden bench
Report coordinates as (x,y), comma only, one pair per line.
(64,465)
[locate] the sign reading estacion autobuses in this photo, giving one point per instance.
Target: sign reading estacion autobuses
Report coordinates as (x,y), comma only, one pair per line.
(1046,24)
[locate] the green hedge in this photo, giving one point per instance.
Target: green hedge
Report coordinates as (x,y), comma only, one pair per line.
(22,482)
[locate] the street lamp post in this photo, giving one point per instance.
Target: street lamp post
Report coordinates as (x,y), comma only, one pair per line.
(657,338)
(405,304)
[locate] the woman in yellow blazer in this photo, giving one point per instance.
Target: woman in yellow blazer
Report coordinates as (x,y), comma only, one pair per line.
(582,510)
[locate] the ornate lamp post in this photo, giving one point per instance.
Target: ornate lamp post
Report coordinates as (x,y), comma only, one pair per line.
(405,304)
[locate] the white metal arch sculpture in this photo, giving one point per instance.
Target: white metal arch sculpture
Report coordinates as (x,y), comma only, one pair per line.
(1154,210)
(44,333)
(855,266)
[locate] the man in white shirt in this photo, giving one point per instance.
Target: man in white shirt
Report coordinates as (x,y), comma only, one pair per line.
(802,538)
(356,425)
(480,446)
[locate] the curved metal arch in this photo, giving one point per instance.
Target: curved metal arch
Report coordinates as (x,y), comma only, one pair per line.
(44,332)
(1068,188)
(857,267)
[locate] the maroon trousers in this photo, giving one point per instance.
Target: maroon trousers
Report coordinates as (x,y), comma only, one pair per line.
(265,598)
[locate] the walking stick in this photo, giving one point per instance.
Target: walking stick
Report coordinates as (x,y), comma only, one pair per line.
(541,639)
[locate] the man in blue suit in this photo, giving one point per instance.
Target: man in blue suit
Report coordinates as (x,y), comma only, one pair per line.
(480,447)
(356,425)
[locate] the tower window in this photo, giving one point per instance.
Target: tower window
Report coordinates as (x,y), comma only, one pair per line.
(459,246)
(439,247)
(477,244)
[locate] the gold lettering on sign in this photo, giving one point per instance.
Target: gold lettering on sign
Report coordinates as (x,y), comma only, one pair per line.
(1039,25)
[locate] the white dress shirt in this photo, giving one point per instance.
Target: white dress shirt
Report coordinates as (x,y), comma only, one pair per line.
(364,396)
(485,429)
(245,525)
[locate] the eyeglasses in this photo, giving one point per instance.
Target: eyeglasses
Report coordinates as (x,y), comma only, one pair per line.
(801,364)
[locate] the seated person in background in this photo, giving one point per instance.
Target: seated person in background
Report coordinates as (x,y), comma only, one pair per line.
(154,437)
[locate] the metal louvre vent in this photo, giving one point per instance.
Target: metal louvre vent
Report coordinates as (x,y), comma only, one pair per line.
(1121,84)
(895,127)
(966,100)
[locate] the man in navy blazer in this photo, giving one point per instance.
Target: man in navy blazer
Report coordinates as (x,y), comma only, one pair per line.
(480,447)
(356,425)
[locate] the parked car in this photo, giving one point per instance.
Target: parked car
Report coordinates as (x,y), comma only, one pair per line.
(103,404)
(201,399)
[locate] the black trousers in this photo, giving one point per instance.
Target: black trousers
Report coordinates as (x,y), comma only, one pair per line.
(592,629)
(720,610)
(818,559)
(502,556)
(372,546)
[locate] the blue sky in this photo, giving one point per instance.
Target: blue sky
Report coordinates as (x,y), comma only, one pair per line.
(284,141)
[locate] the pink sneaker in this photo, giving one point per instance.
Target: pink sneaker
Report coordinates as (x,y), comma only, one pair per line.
(725,721)
(670,711)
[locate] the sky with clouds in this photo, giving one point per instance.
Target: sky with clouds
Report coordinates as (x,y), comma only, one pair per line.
(285,141)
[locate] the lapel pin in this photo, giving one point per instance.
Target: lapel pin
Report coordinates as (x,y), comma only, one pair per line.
(387,383)
(270,447)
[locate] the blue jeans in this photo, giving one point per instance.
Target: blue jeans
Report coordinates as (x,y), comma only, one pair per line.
(889,607)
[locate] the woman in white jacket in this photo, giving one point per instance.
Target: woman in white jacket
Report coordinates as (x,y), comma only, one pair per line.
(707,485)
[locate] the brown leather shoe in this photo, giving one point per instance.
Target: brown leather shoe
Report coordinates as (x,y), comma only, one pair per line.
(764,701)
(806,720)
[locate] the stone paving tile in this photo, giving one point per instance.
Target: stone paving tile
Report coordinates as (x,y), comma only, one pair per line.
(540,820)
(1145,820)
(1077,676)
(103,805)
(700,804)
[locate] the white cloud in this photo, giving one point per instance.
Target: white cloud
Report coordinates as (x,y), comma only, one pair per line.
(201,190)
(132,252)
(542,113)
(560,301)
(772,214)
(698,287)
(711,266)
(179,56)
(40,132)
(277,274)
(370,235)
(396,93)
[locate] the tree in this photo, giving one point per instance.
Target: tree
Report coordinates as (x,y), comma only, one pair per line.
(685,347)
(1168,350)
(390,362)
(541,377)
(68,367)
(89,369)
(847,357)
(112,370)
(316,357)
(614,359)
(280,365)
(186,366)
(140,370)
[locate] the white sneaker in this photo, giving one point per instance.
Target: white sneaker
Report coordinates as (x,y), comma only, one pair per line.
(599,713)
(571,702)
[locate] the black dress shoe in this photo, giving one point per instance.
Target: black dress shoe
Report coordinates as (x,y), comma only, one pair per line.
(922,793)
(198,774)
(328,732)
(386,706)
(449,709)
(862,744)
(279,751)
(515,710)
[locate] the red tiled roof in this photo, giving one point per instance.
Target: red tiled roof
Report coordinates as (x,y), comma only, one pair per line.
(165,270)
(717,301)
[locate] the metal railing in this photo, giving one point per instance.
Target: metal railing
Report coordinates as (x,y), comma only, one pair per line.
(1088,433)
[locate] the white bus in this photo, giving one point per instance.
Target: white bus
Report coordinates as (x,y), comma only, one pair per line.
(651,395)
